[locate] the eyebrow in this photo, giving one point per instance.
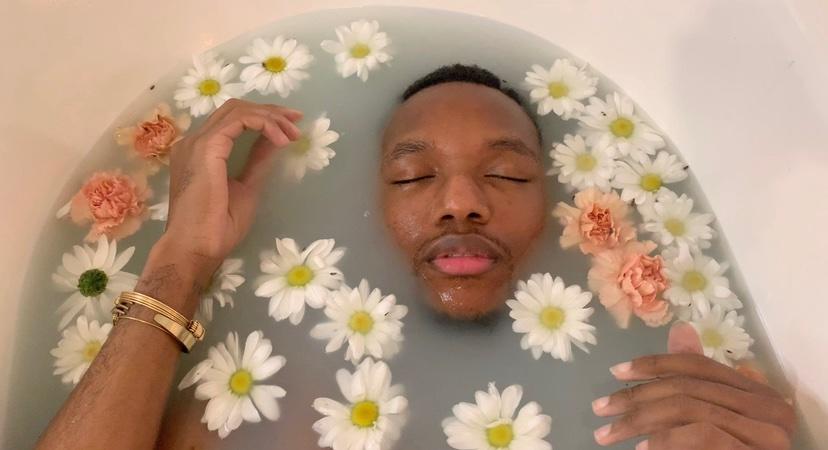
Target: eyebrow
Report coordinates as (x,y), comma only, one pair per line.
(408,147)
(413,146)
(513,144)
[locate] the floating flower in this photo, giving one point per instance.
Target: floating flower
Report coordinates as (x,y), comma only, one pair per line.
(671,219)
(232,382)
(310,151)
(551,316)
(373,413)
(207,85)
(112,202)
(630,281)
(293,277)
(277,67)
(697,281)
(370,322)
(722,335)
(597,222)
(489,424)
(582,167)
(643,181)
(223,284)
(614,123)
(78,348)
(560,89)
(360,49)
(94,278)
(153,138)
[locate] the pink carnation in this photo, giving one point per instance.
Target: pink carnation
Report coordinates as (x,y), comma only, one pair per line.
(597,222)
(114,203)
(630,281)
(153,138)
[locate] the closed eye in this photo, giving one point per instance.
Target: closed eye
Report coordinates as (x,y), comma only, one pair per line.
(412,180)
(504,177)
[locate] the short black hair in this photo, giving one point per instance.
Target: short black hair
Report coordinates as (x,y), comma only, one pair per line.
(468,74)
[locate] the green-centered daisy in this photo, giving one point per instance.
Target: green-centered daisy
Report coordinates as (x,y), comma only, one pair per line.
(697,282)
(78,348)
(642,181)
(207,85)
(94,278)
(490,422)
(582,166)
(672,220)
(372,415)
(222,286)
(311,151)
(276,67)
(231,379)
(551,316)
(561,89)
(360,48)
(370,322)
(614,123)
(293,277)
(722,335)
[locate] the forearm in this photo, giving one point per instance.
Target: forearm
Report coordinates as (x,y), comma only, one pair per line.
(120,401)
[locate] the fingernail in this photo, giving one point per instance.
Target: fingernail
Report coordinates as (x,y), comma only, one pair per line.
(620,369)
(643,445)
(600,403)
(602,432)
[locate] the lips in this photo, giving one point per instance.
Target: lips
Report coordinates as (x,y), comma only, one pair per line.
(463,255)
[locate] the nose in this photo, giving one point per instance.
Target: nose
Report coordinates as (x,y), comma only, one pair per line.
(462,201)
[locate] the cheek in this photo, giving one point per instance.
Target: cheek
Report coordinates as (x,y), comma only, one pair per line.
(522,221)
(406,220)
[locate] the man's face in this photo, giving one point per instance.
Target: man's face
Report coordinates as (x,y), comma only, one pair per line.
(462,192)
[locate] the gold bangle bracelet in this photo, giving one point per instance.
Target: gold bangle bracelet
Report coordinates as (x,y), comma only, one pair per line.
(145,322)
(186,332)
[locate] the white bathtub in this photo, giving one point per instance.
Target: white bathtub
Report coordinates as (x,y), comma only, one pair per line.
(739,85)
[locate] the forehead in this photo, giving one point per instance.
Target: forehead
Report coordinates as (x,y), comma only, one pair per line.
(459,111)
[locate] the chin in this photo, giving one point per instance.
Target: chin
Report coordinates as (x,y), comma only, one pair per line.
(468,299)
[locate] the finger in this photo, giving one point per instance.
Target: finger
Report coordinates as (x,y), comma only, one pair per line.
(684,338)
(771,410)
(234,104)
(259,165)
(695,436)
(289,128)
(696,366)
(660,415)
(218,142)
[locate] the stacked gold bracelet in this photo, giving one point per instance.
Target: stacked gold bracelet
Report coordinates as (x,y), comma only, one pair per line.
(186,332)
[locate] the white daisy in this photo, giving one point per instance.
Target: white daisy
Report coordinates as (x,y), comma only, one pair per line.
(293,277)
(643,180)
(697,281)
(223,284)
(582,167)
(722,335)
(94,278)
(551,316)
(160,211)
(614,123)
(277,67)
(560,89)
(311,151)
(207,85)
(78,348)
(370,322)
(489,424)
(231,379)
(373,413)
(360,48)
(671,220)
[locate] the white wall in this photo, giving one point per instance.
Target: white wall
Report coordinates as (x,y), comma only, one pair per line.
(737,84)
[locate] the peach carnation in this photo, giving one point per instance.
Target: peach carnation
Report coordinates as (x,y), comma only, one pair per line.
(630,281)
(153,138)
(597,222)
(114,203)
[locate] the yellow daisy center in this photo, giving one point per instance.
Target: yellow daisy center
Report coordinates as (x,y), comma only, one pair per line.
(622,127)
(651,182)
(209,87)
(557,89)
(693,281)
(364,414)
(712,338)
(585,162)
(360,50)
(90,350)
(361,322)
(500,436)
(552,317)
(299,276)
(275,64)
(674,226)
(241,382)
(301,145)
